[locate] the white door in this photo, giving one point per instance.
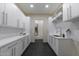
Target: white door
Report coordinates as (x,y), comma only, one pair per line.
(38,29)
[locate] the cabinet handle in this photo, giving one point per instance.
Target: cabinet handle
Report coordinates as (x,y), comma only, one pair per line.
(67,13)
(70,12)
(3,17)
(6,17)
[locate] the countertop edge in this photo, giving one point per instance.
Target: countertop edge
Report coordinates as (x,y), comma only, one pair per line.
(6,41)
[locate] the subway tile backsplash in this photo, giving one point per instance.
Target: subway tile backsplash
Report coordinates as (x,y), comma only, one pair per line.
(9,32)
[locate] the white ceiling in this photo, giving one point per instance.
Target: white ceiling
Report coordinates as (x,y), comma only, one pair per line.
(39,8)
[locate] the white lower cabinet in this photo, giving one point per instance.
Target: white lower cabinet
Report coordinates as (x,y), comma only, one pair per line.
(19,49)
(63,47)
(8,50)
(27,40)
(15,48)
(54,44)
(21,46)
(49,40)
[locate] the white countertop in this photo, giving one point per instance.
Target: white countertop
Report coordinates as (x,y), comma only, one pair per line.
(59,37)
(6,41)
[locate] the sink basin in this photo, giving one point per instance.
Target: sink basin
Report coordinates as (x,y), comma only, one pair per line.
(57,35)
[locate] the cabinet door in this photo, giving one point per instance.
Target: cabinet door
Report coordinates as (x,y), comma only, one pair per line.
(19,50)
(11,15)
(74,9)
(57,46)
(66,11)
(9,50)
(5,51)
(2,14)
(26,42)
(2,7)
(20,16)
(50,40)
(21,23)
(23,44)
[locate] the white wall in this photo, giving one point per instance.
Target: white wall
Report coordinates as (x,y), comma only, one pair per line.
(45,28)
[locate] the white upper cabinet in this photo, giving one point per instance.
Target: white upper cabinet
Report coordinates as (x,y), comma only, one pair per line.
(20,18)
(27,24)
(70,11)
(14,17)
(11,15)
(66,11)
(2,13)
(11,18)
(2,7)
(22,23)
(74,9)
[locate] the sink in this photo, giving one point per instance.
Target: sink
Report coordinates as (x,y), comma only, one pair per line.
(57,35)
(62,35)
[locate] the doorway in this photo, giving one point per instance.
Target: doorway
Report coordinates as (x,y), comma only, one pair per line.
(38,29)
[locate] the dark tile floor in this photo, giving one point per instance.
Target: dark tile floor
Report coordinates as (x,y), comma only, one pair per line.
(38,48)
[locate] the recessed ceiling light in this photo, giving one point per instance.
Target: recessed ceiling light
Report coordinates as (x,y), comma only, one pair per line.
(46,6)
(31,5)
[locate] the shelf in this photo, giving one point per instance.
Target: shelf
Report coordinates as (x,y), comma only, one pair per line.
(58,17)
